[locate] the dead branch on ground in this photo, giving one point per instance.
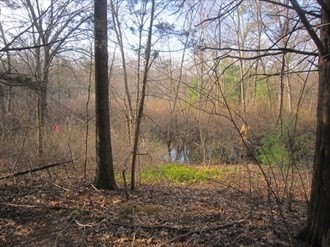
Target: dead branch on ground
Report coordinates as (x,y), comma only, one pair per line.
(35,169)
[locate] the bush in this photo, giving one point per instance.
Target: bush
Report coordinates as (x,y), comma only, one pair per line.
(273,150)
(281,147)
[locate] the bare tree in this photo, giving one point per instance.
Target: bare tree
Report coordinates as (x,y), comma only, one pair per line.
(50,28)
(129,114)
(147,64)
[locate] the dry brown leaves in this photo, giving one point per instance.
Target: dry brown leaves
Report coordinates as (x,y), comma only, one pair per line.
(213,214)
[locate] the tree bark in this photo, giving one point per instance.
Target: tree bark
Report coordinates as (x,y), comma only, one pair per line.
(317,231)
(318,222)
(104,178)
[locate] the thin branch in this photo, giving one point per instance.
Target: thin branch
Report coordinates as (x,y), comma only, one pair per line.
(7,48)
(35,169)
(226,12)
(290,7)
(208,229)
(184,230)
(272,51)
(323,6)
(309,27)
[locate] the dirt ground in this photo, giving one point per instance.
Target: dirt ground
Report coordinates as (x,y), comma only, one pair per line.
(67,212)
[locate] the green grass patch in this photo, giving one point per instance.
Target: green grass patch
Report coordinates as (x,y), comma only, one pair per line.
(181,173)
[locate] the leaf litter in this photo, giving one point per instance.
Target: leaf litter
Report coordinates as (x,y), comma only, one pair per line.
(216,213)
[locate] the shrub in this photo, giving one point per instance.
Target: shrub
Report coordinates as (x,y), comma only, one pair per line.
(273,150)
(281,147)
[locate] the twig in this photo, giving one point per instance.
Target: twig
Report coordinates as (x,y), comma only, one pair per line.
(34,206)
(151,227)
(20,205)
(208,229)
(95,188)
(35,170)
(82,225)
(237,190)
(186,231)
(61,187)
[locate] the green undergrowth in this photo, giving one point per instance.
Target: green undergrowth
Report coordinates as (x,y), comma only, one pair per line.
(183,174)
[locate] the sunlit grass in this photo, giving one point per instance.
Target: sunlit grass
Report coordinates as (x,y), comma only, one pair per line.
(182,174)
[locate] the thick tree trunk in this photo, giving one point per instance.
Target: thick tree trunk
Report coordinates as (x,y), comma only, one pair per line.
(318,221)
(104,178)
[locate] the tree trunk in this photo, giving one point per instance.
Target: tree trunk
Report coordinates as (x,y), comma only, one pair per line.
(281,92)
(143,95)
(2,102)
(41,116)
(318,222)
(289,94)
(104,178)
(127,100)
(39,127)
(317,232)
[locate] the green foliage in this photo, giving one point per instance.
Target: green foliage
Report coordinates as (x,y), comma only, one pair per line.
(262,90)
(179,173)
(281,147)
(232,85)
(274,151)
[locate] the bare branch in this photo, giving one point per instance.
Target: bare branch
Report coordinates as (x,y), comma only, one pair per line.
(7,48)
(267,52)
(36,169)
(226,12)
(290,7)
(323,6)
(309,28)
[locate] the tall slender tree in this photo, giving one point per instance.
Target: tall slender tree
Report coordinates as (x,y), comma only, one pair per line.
(117,26)
(147,65)
(105,177)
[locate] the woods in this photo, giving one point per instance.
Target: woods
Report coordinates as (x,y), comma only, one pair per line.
(182,95)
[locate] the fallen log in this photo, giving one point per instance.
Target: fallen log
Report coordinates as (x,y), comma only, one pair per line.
(35,169)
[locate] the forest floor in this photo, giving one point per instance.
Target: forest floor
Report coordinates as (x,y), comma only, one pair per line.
(61,211)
